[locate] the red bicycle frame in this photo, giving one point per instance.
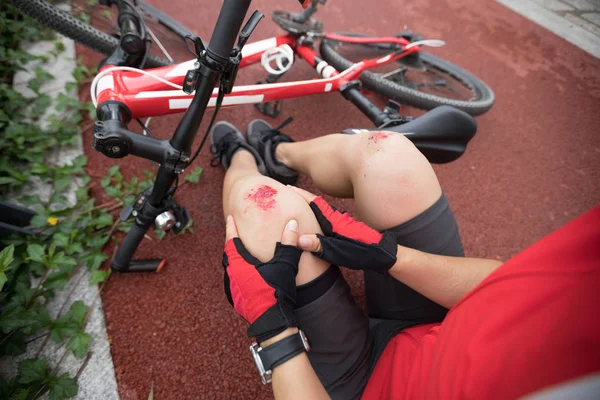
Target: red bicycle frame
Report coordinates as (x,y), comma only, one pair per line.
(148,97)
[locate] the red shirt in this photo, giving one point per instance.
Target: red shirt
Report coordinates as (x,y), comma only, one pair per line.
(533,322)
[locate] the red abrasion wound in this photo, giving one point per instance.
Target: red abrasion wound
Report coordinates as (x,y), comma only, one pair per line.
(345,225)
(263,197)
(252,296)
(377,136)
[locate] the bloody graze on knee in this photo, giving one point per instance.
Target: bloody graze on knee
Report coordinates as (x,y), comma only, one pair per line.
(376,137)
(263,196)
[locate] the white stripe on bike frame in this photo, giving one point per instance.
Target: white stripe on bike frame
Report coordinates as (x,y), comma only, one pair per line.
(163,93)
(106,82)
(328,87)
(248,50)
(384,59)
(175,93)
(320,66)
(181,104)
(259,47)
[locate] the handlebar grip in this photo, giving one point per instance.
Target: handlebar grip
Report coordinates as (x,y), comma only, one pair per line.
(227,28)
(131,38)
(128,247)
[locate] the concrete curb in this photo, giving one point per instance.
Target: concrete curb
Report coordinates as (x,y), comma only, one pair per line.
(578,36)
(97,380)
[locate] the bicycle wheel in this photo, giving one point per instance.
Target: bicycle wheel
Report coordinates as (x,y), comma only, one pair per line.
(424,82)
(75,29)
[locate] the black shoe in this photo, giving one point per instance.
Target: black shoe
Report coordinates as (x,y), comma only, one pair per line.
(264,138)
(225,141)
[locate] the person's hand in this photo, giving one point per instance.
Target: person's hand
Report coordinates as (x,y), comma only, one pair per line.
(347,242)
(264,294)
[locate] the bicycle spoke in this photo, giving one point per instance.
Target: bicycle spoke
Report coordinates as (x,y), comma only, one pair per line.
(421,76)
(394,72)
(159,44)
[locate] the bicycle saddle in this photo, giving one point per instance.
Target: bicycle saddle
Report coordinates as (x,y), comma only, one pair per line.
(441,134)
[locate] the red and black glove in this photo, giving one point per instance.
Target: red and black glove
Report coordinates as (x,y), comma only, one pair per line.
(264,294)
(346,242)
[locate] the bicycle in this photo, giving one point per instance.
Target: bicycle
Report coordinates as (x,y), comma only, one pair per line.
(123,91)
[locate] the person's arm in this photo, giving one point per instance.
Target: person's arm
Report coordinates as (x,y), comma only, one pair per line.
(442,279)
(352,244)
(295,379)
(265,297)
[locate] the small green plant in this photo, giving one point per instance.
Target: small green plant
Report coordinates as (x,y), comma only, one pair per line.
(68,237)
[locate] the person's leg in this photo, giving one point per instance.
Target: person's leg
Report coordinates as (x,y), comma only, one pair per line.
(336,326)
(261,207)
(395,188)
(389,178)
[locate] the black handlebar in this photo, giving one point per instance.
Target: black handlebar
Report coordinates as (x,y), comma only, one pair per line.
(227,28)
(174,153)
(111,137)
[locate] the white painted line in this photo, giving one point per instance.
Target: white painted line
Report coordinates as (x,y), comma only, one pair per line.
(182,104)
(578,36)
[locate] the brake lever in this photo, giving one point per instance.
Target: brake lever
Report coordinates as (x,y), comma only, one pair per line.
(194,45)
(247,30)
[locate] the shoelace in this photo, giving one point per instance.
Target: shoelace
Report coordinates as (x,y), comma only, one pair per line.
(220,149)
(274,132)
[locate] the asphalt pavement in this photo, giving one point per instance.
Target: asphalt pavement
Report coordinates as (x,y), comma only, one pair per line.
(533,166)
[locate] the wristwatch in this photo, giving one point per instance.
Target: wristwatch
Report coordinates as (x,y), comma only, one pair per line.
(279,352)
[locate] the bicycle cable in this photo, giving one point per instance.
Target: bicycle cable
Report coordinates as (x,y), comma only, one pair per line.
(145,129)
(212,121)
(220,96)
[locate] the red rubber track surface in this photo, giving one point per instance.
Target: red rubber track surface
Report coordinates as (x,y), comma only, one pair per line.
(534,165)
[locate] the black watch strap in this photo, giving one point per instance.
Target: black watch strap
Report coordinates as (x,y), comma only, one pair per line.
(281,351)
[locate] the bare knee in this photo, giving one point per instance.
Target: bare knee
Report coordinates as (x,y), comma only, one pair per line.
(392,180)
(261,208)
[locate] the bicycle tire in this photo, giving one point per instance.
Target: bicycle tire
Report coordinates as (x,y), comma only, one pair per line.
(392,90)
(71,27)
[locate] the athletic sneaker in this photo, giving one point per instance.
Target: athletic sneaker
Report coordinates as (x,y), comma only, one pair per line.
(264,138)
(225,141)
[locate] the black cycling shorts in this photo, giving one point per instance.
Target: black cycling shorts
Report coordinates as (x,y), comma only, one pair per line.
(346,343)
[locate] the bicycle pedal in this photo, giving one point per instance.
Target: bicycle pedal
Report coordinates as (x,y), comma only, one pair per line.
(270,108)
